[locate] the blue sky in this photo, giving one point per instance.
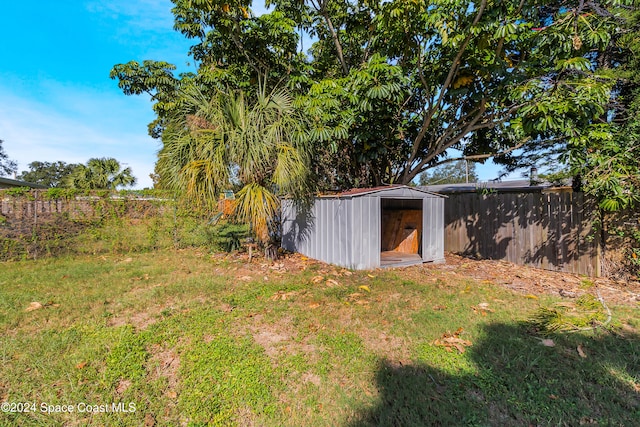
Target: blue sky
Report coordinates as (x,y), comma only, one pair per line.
(57,101)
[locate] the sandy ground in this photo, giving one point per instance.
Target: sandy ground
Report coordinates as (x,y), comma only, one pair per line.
(521,279)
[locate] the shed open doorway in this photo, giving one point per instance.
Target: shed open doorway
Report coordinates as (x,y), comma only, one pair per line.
(401,232)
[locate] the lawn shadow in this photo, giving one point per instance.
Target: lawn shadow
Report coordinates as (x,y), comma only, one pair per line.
(517,381)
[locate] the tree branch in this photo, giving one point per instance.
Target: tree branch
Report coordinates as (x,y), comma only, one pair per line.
(445,86)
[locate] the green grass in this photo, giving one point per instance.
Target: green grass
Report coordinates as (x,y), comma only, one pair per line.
(197,339)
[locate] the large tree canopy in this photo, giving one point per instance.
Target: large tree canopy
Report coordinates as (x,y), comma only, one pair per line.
(389,86)
(259,147)
(51,174)
(104,173)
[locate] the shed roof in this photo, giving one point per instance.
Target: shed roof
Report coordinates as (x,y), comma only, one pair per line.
(518,185)
(394,188)
(7,182)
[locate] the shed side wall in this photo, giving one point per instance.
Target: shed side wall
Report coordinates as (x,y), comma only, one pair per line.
(433,226)
(321,233)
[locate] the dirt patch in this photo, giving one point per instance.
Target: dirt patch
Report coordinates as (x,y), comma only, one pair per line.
(165,363)
(269,341)
(245,417)
(533,281)
(522,279)
(140,320)
(123,385)
(311,378)
(386,346)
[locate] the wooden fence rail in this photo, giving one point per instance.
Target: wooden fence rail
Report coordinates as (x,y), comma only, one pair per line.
(550,230)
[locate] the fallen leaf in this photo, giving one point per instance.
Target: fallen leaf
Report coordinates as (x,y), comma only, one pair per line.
(449,341)
(364,288)
(371,276)
(281,295)
(547,342)
(439,307)
(81,365)
(313,305)
(245,278)
(347,272)
(172,394)
(34,306)
(553,396)
(127,260)
(332,283)
(317,279)
(123,385)
(531,296)
(149,421)
(581,352)
(482,308)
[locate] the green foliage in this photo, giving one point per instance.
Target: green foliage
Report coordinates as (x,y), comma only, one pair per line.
(389,86)
(450,173)
(50,174)
(126,360)
(105,225)
(224,377)
(100,174)
(18,192)
(226,141)
(587,312)
(7,166)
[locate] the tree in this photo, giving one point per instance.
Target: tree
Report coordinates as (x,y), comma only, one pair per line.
(450,173)
(390,86)
(226,141)
(51,174)
(7,167)
(100,173)
(598,144)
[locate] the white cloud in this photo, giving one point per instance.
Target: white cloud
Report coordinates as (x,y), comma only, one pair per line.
(97,125)
(143,15)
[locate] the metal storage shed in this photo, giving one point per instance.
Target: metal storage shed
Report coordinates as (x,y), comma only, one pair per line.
(368,228)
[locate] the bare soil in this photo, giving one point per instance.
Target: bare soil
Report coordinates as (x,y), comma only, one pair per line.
(534,281)
(522,279)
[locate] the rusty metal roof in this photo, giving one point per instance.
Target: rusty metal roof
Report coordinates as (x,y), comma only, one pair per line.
(355,192)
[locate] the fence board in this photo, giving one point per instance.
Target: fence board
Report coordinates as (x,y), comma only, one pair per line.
(548,230)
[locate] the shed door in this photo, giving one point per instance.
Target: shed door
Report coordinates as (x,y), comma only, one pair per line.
(401,226)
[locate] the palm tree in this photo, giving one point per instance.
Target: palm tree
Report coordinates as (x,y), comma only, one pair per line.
(220,142)
(100,173)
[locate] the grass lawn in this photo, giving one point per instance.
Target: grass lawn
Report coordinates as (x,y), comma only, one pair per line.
(189,338)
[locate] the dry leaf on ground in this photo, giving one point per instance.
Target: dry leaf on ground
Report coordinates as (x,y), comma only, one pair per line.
(34,306)
(581,351)
(450,341)
(281,295)
(332,283)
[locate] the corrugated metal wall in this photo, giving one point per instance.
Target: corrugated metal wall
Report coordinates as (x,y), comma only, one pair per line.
(433,226)
(347,231)
(365,236)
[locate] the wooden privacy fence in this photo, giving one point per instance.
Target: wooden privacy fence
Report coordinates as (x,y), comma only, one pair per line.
(550,230)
